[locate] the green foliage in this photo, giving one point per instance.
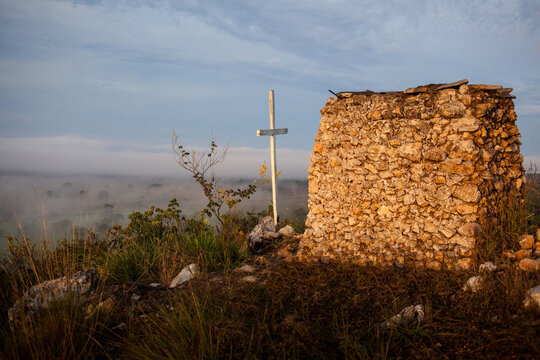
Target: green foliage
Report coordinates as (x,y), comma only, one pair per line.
(213,251)
(154,223)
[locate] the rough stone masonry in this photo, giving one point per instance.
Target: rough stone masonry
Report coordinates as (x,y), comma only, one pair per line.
(409,175)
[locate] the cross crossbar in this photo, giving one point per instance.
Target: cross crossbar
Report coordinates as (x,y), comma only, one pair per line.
(272,132)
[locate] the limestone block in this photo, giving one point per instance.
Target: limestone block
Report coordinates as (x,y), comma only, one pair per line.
(452,109)
(435,154)
(467,193)
(468,124)
(469,229)
(465,209)
(411,151)
(451,168)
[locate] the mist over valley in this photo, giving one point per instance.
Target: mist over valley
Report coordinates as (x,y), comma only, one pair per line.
(53,207)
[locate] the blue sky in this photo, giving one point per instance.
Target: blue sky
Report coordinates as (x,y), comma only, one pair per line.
(98,86)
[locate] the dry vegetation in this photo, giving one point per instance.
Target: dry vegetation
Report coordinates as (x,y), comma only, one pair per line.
(293,310)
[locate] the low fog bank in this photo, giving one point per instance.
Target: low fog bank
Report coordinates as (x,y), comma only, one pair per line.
(53,206)
(70,154)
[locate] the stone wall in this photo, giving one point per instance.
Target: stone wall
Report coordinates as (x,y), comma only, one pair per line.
(409,175)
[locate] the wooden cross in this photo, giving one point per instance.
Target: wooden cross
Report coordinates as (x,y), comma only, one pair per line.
(272,132)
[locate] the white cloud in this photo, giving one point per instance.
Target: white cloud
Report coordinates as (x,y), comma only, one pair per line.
(528,110)
(70,154)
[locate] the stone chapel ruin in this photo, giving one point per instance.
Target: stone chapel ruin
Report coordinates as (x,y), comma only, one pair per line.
(408,175)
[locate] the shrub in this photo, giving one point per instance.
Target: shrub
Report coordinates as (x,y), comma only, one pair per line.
(513,215)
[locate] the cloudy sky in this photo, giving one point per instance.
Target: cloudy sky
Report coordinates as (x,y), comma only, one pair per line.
(98,86)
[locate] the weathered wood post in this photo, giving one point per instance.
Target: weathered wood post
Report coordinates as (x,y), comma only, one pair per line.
(272,132)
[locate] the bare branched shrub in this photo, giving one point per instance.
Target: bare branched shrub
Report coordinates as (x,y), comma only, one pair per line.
(201,166)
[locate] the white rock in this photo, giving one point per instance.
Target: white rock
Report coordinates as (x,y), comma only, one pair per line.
(246,268)
(187,273)
(249,279)
(41,295)
(262,234)
(155,284)
(287,231)
(473,284)
(532,297)
(408,314)
(121,326)
(487,267)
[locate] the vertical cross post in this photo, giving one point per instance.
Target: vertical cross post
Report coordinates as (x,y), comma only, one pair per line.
(272,132)
(273,157)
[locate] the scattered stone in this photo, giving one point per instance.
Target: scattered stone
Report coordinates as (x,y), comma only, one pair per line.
(408,314)
(155,284)
(287,231)
(106,305)
(262,235)
(530,264)
(261,260)
(487,267)
(495,319)
(532,298)
(526,242)
(509,254)
(249,279)
(521,254)
(135,297)
(473,284)
(120,327)
(246,268)
(41,295)
(187,273)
